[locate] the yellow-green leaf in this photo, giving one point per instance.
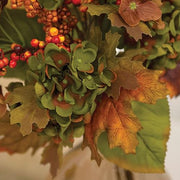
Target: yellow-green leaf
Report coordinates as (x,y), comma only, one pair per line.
(27,111)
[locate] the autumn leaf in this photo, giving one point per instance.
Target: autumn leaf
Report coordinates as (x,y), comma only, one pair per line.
(172,80)
(27,111)
(118,120)
(151,150)
(136,31)
(2,104)
(14,142)
(53,154)
(134,11)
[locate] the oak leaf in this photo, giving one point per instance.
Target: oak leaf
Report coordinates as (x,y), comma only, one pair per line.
(53,154)
(14,142)
(27,111)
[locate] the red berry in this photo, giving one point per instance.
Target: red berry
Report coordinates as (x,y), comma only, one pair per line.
(12,64)
(48,39)
(3,71)
(1,53)
(6,61)
(76,2)
(118,2)
(34,43)
(2,64)
(27,55)
(14,56)
(67,1)
(22,58)
(17,49)
(55,39)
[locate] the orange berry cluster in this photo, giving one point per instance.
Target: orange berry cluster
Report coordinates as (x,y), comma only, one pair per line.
(61,18)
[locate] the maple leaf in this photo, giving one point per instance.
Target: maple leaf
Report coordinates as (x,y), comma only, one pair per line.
(2,104)
(118,120)
(14,142)
(27,111)
(135,31)
(134,11)
(172,80)
(53,154)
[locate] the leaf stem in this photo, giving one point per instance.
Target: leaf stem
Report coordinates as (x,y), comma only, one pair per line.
(11,23)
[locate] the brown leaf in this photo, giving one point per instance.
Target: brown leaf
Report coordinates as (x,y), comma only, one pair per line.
(14,142)
(27,112)
(132,11)
(2,104)
(53,154)
(117,118)
(172,79)
(135,32)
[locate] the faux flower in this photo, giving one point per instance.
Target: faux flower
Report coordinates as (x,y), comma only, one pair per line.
(134,11)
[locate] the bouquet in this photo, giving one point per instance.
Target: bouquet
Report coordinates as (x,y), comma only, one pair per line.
(101,69)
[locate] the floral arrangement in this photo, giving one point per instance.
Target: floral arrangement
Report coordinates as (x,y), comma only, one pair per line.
(74,83)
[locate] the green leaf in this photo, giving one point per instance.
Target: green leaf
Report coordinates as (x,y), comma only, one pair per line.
(27,110)
(16,27)
(97,10)
(150,152)
(51,4)
(176,46)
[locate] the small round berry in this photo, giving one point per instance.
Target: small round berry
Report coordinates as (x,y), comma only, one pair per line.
(13,45)
(41,44)
(118,2)
(6,61)
(55,39)
(61,38)
(76,2)
(2,64)
(34,43)
(14,56)
(83,8)
(1,53)
(17,49)
(3,71)
(27,55)
(53,31)
(22,58)
(48,39)
(12,64)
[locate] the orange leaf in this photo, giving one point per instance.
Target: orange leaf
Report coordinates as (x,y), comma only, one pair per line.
(118,119)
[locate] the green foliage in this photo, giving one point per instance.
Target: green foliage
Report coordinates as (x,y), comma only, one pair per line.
(14,27)
(51,5)
(150,152)
(26,111)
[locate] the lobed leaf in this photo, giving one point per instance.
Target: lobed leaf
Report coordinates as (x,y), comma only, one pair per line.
(27,111)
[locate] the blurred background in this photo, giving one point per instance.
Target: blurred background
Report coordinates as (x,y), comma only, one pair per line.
(27,167)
